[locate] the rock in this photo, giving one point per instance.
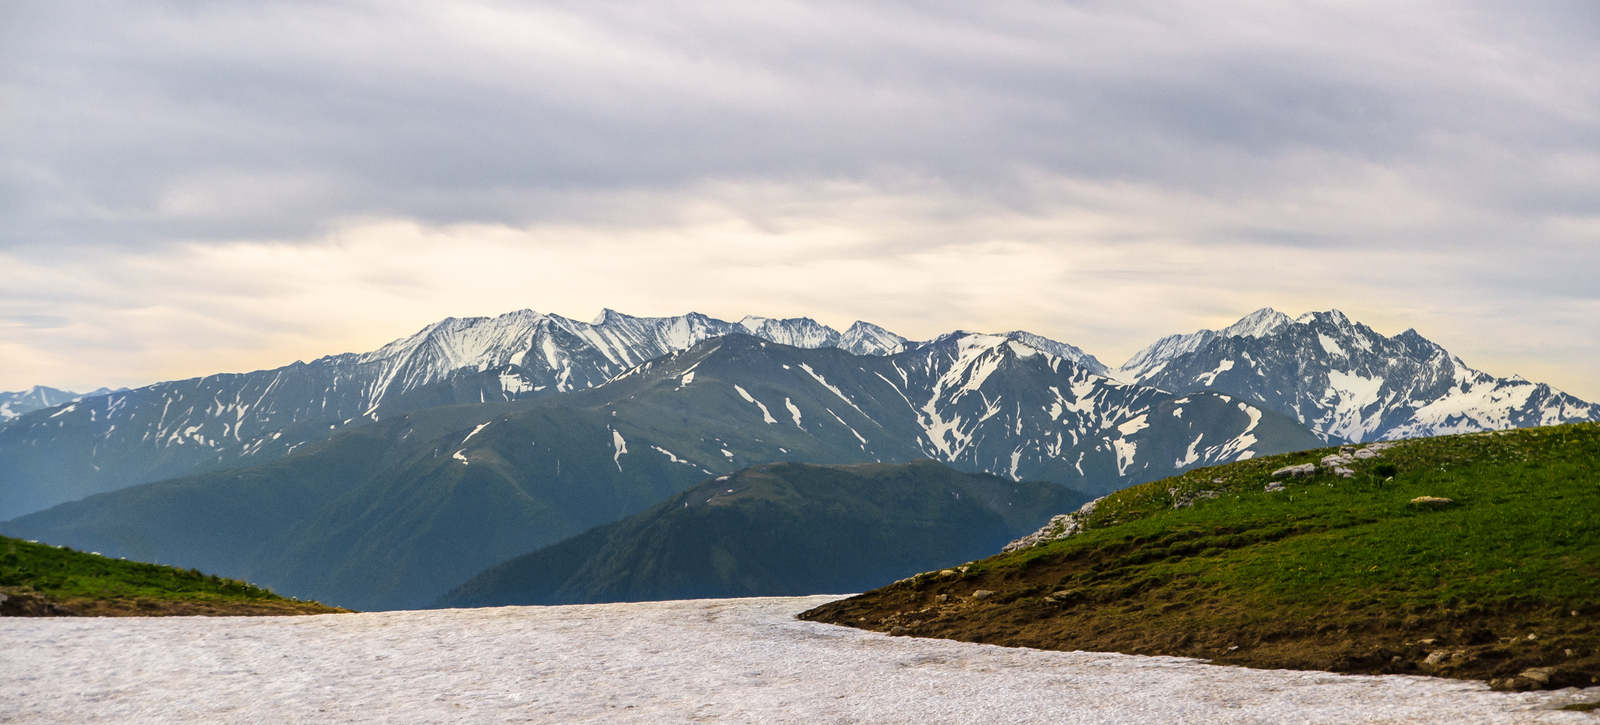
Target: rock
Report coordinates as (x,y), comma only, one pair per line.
(1336,460)
(1437,658)
(1540,676)
(942,598)
(947,572)
(1366,453)
(1274,487)
(1431,502)
(1181,499)
(982,594)
(1301,471)
(1060,527)
(898,631)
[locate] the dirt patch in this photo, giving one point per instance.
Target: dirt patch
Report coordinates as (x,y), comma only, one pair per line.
(1517,650)
(34,604)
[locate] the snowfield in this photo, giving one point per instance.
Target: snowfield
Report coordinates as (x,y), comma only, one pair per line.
(735,660)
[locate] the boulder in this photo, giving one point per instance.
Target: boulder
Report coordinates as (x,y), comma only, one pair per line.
(1436,502)
(1539,676)
(1301,471)
(982,594)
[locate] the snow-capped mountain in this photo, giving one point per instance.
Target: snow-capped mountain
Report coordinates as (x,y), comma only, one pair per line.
(104,442)
(1348,383)
(38,397)
(1150,360)
(799,332)
(394,513)
(865,338)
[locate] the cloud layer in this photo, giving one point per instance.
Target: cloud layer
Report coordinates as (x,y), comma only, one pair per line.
(191,187)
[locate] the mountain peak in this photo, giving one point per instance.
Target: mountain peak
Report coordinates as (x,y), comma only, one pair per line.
(865,338)
(1260,323)
(796,331)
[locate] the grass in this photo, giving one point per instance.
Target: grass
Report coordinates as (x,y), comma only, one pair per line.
(1332,573)
(43,580)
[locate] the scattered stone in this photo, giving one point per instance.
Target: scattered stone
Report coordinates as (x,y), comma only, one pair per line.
(1437,658)
(1301,471)
(942,598)
(1182,499)
(898,631)
(982,594)
(1540,676)
(1431,501)
(1060,527)
(1533,636)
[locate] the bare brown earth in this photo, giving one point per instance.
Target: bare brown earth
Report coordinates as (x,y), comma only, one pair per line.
(34,604)
(1028,609)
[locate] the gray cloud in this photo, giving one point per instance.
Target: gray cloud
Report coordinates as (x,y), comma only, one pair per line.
(144,121)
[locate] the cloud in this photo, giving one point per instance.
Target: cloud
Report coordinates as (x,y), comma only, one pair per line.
(1110,278)
(196,187)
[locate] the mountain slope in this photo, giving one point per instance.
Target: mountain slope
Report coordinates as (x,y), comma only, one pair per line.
(39,580)
(1349,383)
(776,530)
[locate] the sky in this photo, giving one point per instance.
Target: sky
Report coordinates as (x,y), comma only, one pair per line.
(190,188)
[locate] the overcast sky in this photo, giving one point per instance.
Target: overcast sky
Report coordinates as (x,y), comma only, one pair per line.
(195,187)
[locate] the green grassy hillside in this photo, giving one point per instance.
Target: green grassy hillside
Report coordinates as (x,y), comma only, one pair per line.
(42,580)
(778,529)
(1344,574)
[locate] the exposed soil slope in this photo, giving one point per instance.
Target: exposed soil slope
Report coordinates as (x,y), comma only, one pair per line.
(1333,573)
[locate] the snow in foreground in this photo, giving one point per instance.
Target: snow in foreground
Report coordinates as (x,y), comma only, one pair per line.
(737,660)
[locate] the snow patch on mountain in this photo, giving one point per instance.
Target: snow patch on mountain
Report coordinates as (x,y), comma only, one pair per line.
(765,415)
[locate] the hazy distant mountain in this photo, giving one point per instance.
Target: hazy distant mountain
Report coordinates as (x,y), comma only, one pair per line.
(38,397)
(1347,382)
(776,530)
(395,513)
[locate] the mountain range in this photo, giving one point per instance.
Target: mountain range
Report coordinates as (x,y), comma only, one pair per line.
(1348,383)
(384,479)
(63,452)
(394,513)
